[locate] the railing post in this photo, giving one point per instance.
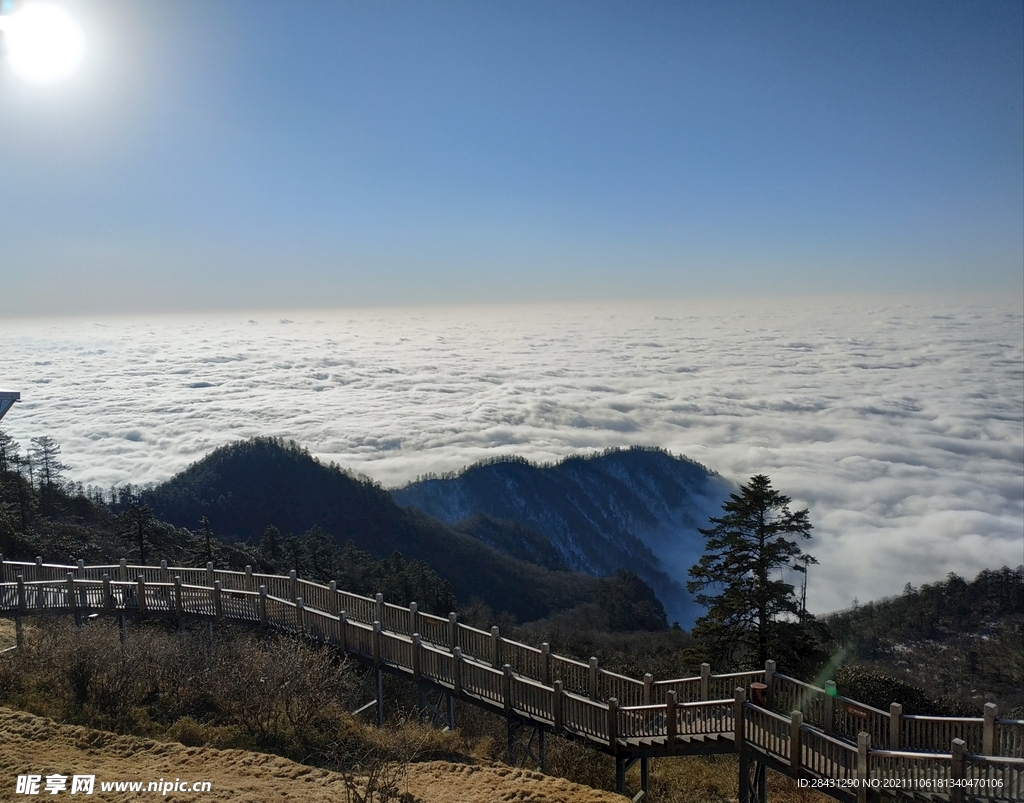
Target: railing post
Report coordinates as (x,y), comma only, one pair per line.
(592,685)
(457,670)
(300,616)
(375,641)
(263,606)
(334,603)
(670,720)
(796,753)
(769,681)
(39,568)
(648,684)
(495,647)
(218,601)
(164,577)
(895,725)
(108,596)
(179,603)
(416,643)
(705,682)
(957,770)
(739,698)
(122,568)
(557,699)
(613,725)
(988,734)
(22,594)
(293,585)
(72,602)
(863,767)
(81,566)
(343,627)
(209,573)
(453,631)
(830,706)
(141,584)
(506,688)
(414,618)
(379,678)
(545,663)
(248,578)
(379,599)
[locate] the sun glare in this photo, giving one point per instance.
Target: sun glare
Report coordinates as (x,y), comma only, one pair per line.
(43,42)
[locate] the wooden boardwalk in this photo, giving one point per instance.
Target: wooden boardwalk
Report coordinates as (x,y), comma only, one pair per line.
(847,749)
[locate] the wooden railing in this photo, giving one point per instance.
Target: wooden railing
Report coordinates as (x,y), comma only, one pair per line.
(827,757)
(812,731)
(853,718)
(918,732)
(789,694)
(768,730)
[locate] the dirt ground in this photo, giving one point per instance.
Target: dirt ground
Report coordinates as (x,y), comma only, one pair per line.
(36,745)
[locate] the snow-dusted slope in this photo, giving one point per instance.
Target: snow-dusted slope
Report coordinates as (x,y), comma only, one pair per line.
(636,509)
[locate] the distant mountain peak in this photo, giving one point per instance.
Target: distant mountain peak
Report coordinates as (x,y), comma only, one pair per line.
(636,509)
(598,455)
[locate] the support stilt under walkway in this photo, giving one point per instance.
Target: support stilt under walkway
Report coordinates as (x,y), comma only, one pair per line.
(622,765)
(436,707)
(526,742)
(753,779)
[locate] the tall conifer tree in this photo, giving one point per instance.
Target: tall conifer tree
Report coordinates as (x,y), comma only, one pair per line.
(738,580)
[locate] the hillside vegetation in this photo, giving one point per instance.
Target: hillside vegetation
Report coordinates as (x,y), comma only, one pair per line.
(951,645)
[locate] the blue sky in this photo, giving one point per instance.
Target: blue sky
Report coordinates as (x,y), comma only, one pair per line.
(250,155)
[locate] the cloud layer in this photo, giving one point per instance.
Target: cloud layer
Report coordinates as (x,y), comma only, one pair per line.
(900,424)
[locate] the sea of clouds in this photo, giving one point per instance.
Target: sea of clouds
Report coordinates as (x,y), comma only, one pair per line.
(900,424)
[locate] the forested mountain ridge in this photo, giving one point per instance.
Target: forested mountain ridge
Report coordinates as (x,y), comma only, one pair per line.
(243,488)
(636,509)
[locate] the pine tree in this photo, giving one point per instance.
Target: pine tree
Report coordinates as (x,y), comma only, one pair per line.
(139,524)
(319,546)
(207,535)
(270,544)
(44,454)
(9,454)
(736,579)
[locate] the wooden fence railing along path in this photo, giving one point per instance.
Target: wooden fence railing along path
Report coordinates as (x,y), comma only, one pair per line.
(847,749)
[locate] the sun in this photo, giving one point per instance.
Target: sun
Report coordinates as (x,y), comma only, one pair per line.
(43,42)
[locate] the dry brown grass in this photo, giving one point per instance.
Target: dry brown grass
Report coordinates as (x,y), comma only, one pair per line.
(39,745)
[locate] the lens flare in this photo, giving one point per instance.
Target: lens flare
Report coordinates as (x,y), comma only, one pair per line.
(43,42)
